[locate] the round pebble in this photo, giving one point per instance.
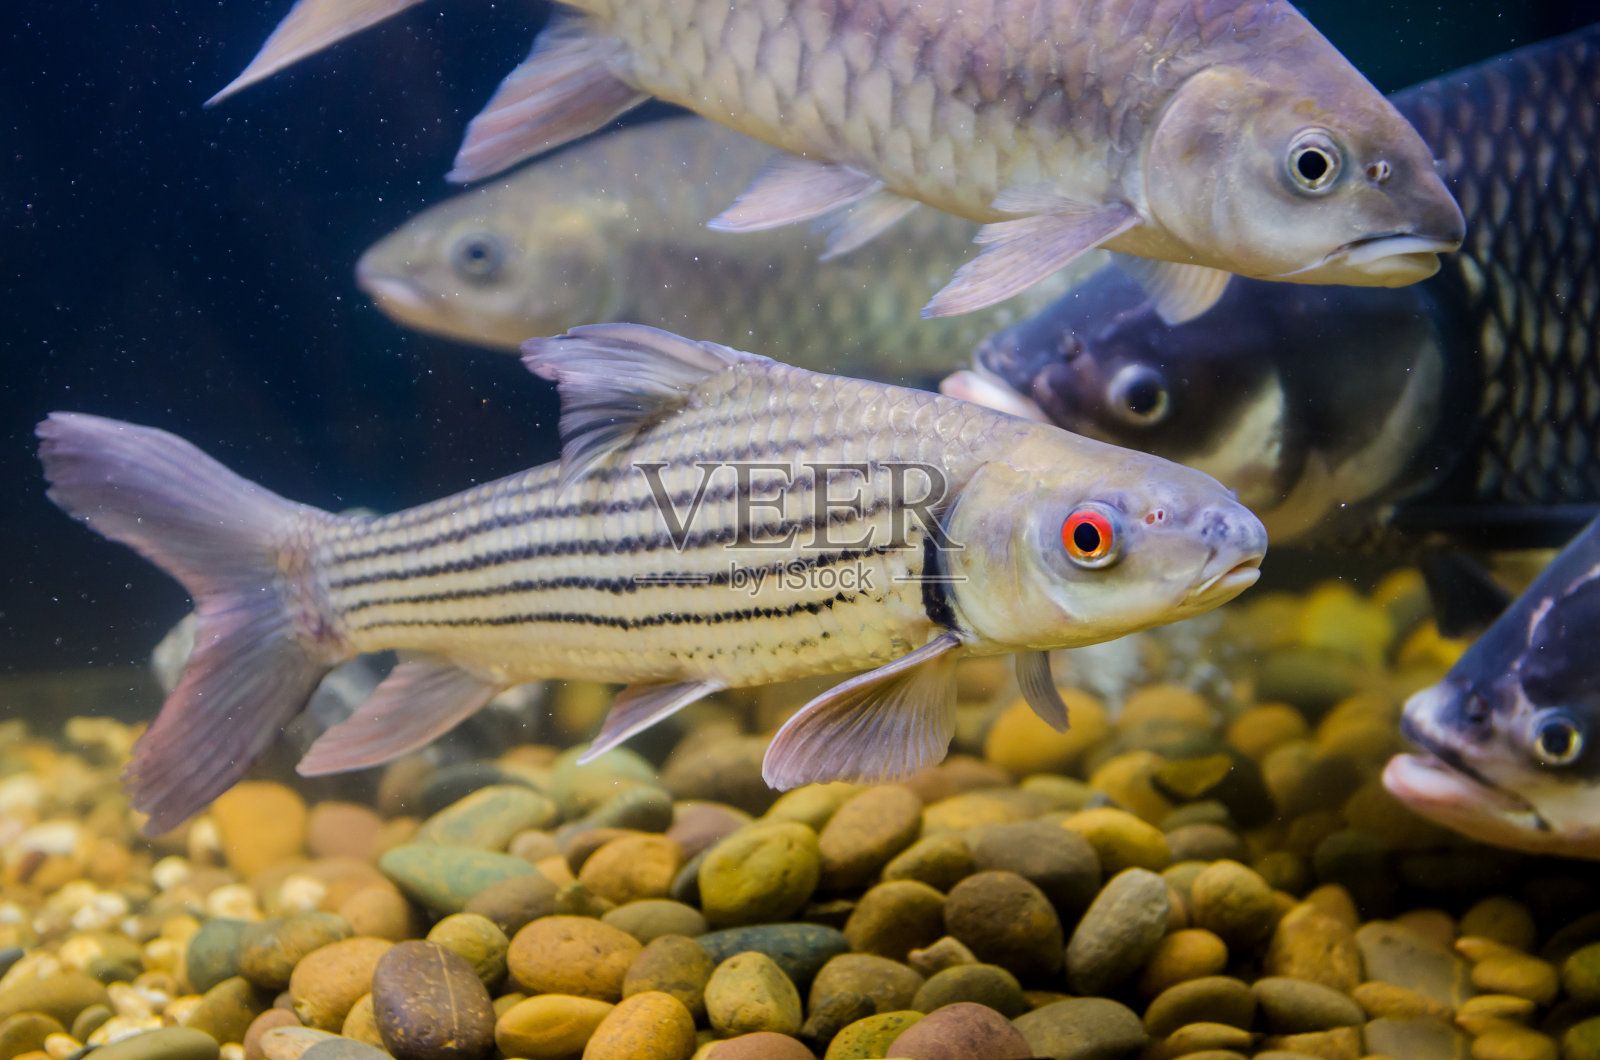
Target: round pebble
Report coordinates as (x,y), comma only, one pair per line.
(1211,999)
(865,832)
(549,1026)
(429,1004)
(962,1031)
(871,1036)
(516,901)
(1059,862)
(488,818)
(760,874)
(888,984)
(1119,932)
(800,949)
(1235,903)
(651,918)
(1121,840)
(572,955)
(983,984)
(1089,1028)
(673,965)
(476,940)
(894,918)
(748,992)
(1020,741)
(647,1026)
(1006,920)
(1294,1006)
(260,825)
(328,981)
(444,878)
(169,1043)
(1186,954)
(941,861)
(632,867)
(269,951)
(762,1045)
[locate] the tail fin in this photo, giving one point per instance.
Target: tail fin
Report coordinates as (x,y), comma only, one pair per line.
(258,654)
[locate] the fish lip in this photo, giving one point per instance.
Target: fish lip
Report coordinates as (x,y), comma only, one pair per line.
(1229,582)
(1381,246)
(390,290)
(1440,761)
(1434,788)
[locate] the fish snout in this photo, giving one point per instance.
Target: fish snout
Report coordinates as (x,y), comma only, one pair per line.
(1237,542)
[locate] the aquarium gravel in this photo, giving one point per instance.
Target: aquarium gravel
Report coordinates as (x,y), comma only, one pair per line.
(1208,874)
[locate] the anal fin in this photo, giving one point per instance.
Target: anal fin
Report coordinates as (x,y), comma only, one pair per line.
(566,88)
(309,27)
(1038,686)
(1178,291)
(1018,254)
(638,707)
(420,700)
(790,189)
(857,225)
(882,725)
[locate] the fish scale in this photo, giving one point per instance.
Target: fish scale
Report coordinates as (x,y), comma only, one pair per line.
(1527,279)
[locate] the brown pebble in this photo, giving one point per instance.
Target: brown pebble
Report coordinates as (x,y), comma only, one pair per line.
(343,829)
(1212,999)
(513,903)
(1006,920)
(865,832)
(894,918)
(762,1045)
(549,1026)
(379,910)
(1187,954)
(273,1017)
(632,868)
(962,1031)
(889,984)
(675,965)
(328,981)
(572,955)
(429,1004)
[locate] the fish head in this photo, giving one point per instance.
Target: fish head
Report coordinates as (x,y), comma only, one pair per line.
(1309,176)
(491,268)
(1101,362)
(1508,744)
(1070,541)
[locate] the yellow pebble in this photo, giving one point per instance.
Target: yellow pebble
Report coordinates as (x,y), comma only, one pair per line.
(1127,779)
(1335,618)
(1390,1001)
(1426,649)
(1485,1011)
(61,1046)
(1122,840)
(1513,1043)
(1020,742)
(1517,974)
(1432,924)
(1261,728)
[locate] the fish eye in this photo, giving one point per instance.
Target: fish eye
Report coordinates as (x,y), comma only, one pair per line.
(1138,395)
(1314,161)
(1090,536)
(1557,740)
(478,255)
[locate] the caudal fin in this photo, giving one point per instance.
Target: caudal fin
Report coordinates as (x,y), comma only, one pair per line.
(239,550)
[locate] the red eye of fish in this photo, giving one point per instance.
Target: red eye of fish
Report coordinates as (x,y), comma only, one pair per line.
(1090,537)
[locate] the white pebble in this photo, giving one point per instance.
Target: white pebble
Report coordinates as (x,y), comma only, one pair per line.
(233,900)
(170,871)
(20,794)
(61,1046)
(101,912)
(52,837)
(129,1002)
(205,843)
(301,894)
(232,1051)
(118,1027)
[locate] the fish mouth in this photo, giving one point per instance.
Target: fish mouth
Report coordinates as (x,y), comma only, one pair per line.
(395,295)
(1227,583)
(1395,258)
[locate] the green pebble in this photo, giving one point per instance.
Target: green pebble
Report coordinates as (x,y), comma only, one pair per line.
(1082,1028)
(227,1009)
(870,1037)
(443,879)
(650,918)
(1580,975)
(640,808)
(581,789)
(799,949)
(675,965)
(476,940)
(488,818)
(1582,1041)
(90,1020)
(747,993)
(269,950)
(25,1032)
(168,1043)
(984,984)
(214,953)
(61,996)
(759,874)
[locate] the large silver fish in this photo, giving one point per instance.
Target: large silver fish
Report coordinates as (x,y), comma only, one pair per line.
(1200,135)
(717,520)
(1508,741)
(1464,409)
(614,229)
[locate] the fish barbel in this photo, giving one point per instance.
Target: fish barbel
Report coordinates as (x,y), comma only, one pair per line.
(614,229)
(1506,742)
(717,520)
(1207,137)
(1463,410)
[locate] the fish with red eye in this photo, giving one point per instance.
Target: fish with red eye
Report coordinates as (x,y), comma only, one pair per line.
(1090,536)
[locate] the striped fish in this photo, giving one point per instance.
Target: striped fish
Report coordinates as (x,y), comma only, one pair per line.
(716,520)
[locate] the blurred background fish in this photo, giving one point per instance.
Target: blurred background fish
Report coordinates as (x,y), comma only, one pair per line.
(614,229)
(1464,410)
(1507,750)
(1044,120)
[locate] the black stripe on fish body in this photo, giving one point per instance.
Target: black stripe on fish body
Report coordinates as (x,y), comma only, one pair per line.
(935,576)
(578,509)
(621,586)
(624,622)
(627,545)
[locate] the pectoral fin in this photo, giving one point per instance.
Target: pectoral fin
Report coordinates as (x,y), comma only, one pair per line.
(617,379)
(1018,254)
(883,725)
(309,27)
(856,226)
(790,189)
(1038,686)
(420,700)
(1179,292)
(638,707)
(564,89)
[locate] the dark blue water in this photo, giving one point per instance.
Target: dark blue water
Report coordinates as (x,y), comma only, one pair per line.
(191,268)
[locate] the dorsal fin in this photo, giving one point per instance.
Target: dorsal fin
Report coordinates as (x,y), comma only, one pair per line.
(616,380)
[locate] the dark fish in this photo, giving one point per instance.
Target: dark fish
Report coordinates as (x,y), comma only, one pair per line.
(1465,409)
(1508,738)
